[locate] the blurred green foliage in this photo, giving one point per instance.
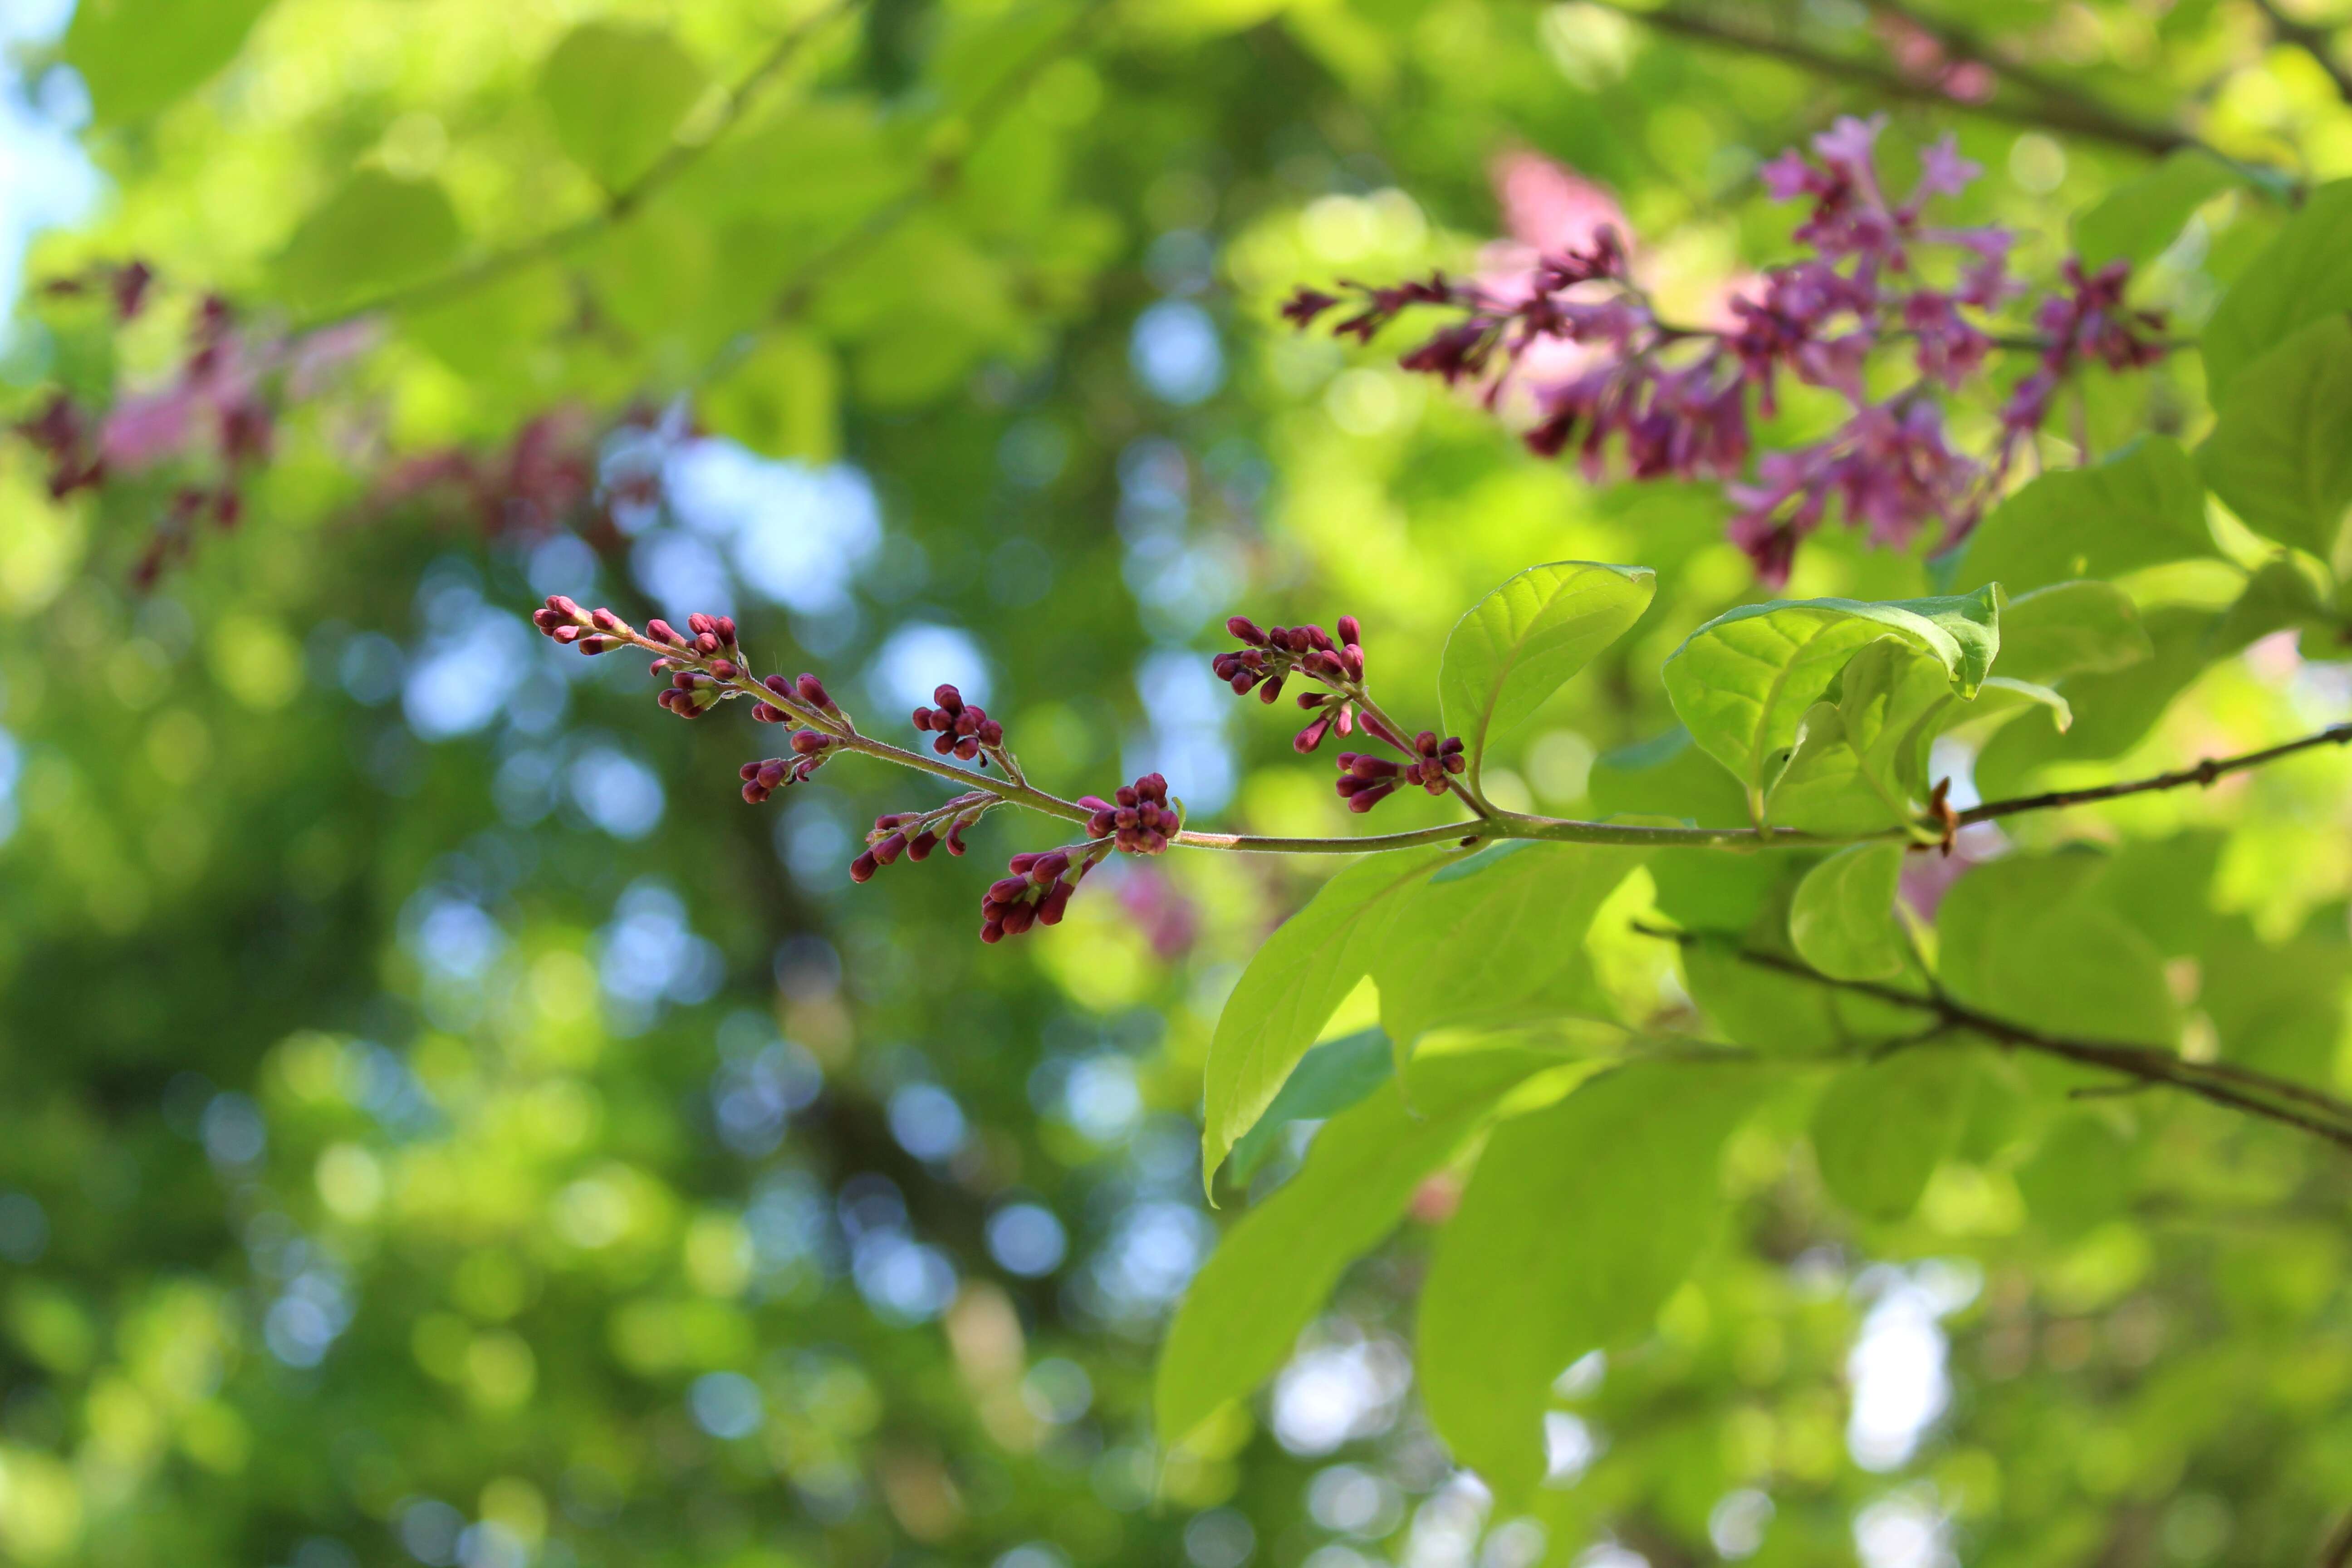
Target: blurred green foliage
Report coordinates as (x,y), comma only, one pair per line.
(445,1125)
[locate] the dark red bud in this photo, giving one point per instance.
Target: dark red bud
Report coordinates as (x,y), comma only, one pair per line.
(1350,630)
(1247,629)
(1271,691)
(991,733)
(1008,890)
(1048,868)
(921,845)
(889,848)
(725,626)
(862,870)
(1056,900)
(813,691)
(949,698)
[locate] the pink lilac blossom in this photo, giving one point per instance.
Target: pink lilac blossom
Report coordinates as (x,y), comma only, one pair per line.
(1609,378)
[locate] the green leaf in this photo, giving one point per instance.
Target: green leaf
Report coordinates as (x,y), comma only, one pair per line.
(2138,218)
(1860,760)
(1292,987)
(2278,595)
(1271,1273)
(2071,628)
(2111,710)
(2022,941)
(2303,274)
(1580,1221)
(374,233)
(1501,946)
(2084,1172)
(1527,638)
(1881,1128)
(1842,920)
(1668,776)
(782,399)
(1743,683)
(1333,1076)
(137,56)
(2142,507)
(2280,453)
(617,94)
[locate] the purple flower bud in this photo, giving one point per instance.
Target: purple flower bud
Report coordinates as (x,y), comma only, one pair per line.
(808,743)
(862,870)
(566,634)
(765,714)
(662,631)
(698,623)
(991,733)
(992,931)
(812,693)
(1008,890)
(606,621)
(921,846)
(1352,660)
(889,848)
(1371,796)
(1350,630)
(1271,691)
(1047,870)
(1247,629)
(593,645)
(1056,900)
(954,839)
(706,644)
(725,626)
(724,670)
(1307,740)
(922,719)
(949,698)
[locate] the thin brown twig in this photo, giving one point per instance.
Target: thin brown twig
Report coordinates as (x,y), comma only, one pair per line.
(2052,106)
(2240,1088)
(618,207)
(2204,773)
(2337,1551)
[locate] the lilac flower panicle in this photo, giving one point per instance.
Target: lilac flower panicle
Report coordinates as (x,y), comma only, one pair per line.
(1672,402)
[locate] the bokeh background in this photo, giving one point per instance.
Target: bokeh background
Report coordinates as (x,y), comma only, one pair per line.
(443,1124)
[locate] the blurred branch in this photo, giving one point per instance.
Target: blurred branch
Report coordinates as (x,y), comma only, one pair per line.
(940,180)
(618,206)
(2319,44)
(2337,1552)
(2259,1094)
(2053,107)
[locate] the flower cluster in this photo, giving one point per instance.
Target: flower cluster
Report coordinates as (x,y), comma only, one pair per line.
(1366,780)
(1138,820)
(959,726)
(1267,659)
(215,421)
(1678,401)
(705,665)
(1036,892)
(1336,667)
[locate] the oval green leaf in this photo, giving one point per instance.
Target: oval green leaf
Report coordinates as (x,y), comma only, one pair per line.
(374,233)
(617,94)
(1527,638)
(1881,1128)
(1842,918)
(2280,453)
(1743,683)
(1291,989)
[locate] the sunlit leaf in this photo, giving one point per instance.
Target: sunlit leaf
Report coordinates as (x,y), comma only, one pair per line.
(2281,453)
(136,56)
(2143,506)
(617,94)
(1742,682)
(1290,989)
(2303,274)
(1272,1271)
(1842,920)
(1578,1222)
(374,233)
(1527,638)
(1500,946)
(1882,1127)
